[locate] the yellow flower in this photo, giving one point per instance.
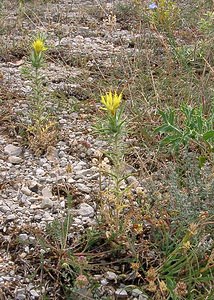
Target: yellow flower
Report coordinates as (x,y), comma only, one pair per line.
(186,246)
(111,102)
(38,46)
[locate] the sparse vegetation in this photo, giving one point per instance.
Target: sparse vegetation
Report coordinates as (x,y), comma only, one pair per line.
(152,64)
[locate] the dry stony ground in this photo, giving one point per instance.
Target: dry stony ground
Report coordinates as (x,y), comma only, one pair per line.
(84,43)
(33,188)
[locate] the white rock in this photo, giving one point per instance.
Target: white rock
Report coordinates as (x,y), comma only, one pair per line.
(86,210)
(40,172)
(111,276)
(121,293)
(23,237)
(104,282)
(12,150)
(47,217)
(34,293)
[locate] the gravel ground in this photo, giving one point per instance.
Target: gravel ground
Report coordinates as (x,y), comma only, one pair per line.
(31,186)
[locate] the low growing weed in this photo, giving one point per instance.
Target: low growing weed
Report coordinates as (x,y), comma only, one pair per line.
(186,126)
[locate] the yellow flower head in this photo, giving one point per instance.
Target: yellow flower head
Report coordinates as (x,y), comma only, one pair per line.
(186,246)
(111,102)
(38,46)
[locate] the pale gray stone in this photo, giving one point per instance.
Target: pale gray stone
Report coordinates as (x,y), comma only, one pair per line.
(47,203)
(12,150)
(40,172)
(46,192)
(83,188)
(11,217)
(34,293)
(136,292)
(121,294)
(86,210)
(33,186)
(23,237)
(104,282)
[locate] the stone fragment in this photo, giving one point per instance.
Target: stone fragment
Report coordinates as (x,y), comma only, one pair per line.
(33,186)
(136,292)
(111,276)
(40,172)
(121,294)
(14,160)
(23,237)
(83,188)
(86,210)
(104,282)
(46,192)
(47,203)
(25,190)
(12,150)
(11,217)
(34,293)
(47,217)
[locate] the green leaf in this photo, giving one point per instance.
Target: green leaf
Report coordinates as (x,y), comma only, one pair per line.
(201,161)
(208,135)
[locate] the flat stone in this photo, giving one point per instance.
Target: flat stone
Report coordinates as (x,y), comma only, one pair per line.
(23,237)
(121,294)
(47,217)
(4,208)
(136,292)
(47,203)
(14,160)
(84,172)
(25,190)
(86,210)
(83,188)
(12,150)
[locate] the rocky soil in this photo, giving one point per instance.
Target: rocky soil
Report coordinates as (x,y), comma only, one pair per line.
(91,48)
(84,41)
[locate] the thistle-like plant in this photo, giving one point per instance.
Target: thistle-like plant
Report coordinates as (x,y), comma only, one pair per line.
(113,128)
(42,130)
